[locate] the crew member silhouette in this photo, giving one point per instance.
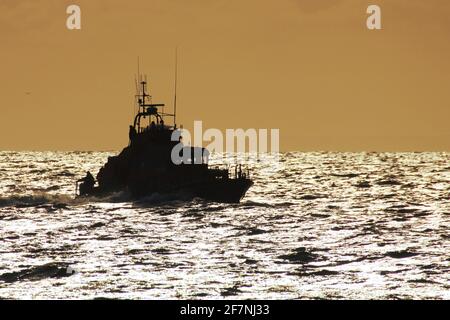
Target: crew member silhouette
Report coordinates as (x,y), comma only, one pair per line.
(132,134)
(87,184)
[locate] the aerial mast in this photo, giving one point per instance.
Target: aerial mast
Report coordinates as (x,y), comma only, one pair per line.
(175,95)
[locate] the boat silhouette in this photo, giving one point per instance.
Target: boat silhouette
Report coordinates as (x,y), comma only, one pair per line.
(145,166)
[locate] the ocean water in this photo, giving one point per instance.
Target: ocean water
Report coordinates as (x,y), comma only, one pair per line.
(314,225)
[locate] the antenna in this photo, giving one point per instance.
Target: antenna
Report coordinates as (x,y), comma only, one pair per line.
(138,91)
(139,74)
(135,97)
(175,95)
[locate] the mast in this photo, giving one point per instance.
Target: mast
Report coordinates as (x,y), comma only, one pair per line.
(146,107)
(139,79)
(138,90)
(175,95)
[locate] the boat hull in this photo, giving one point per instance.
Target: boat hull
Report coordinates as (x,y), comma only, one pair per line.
(224,190)
(218,190)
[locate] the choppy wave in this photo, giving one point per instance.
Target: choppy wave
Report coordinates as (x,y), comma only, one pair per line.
(36,273)
(36,199)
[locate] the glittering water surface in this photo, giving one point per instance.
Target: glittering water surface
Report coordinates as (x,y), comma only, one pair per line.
(314,225)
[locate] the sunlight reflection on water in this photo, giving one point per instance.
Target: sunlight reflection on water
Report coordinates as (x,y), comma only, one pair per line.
(314,225)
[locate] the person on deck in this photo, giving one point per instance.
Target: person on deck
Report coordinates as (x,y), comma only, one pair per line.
(132,134)
(87,184)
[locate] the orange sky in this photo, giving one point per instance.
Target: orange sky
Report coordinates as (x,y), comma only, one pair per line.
(309,68)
